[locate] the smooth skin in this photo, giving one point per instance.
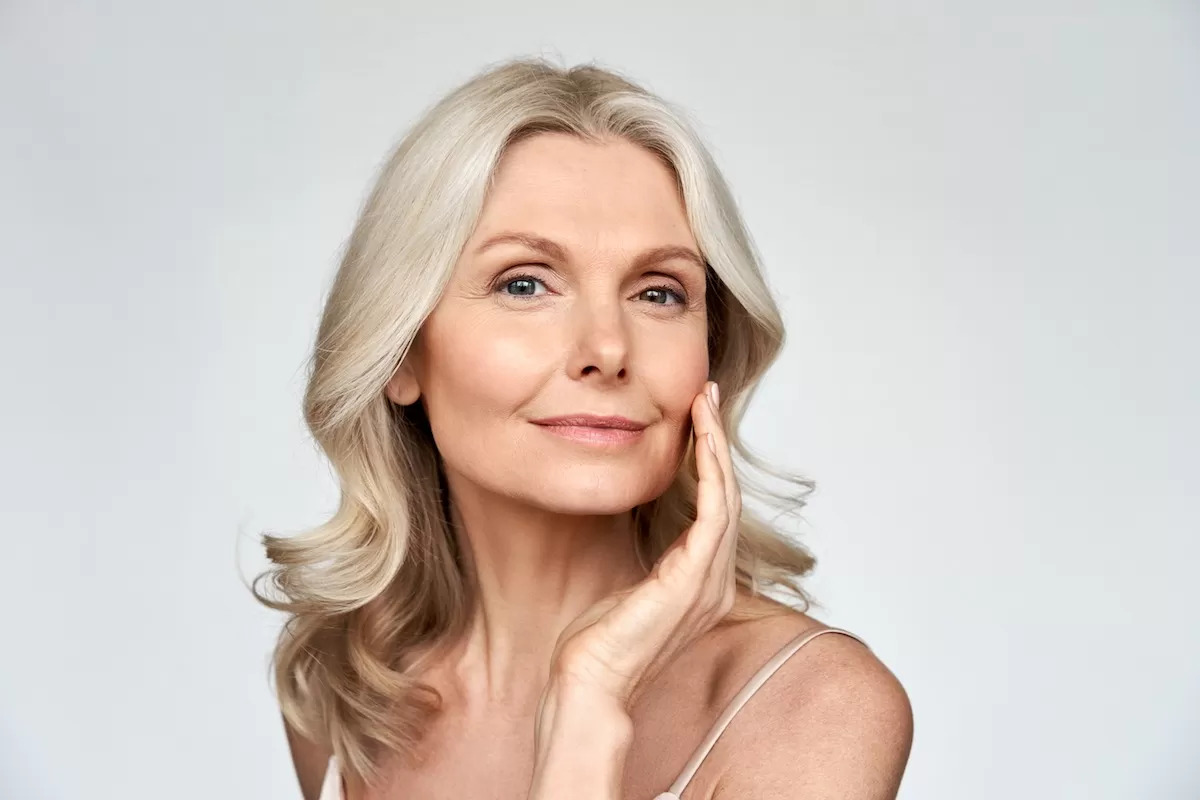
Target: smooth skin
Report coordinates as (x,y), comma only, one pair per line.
(581,675)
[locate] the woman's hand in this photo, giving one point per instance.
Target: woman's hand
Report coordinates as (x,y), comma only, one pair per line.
(615,647)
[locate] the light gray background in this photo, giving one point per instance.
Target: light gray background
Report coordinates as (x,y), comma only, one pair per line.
(981,219)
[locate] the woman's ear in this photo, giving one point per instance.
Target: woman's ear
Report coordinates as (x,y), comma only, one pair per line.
(402,388)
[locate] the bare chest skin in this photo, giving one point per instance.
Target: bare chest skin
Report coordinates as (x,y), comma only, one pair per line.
(495,758)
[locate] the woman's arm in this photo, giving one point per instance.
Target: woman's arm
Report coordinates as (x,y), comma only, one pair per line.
(582,739)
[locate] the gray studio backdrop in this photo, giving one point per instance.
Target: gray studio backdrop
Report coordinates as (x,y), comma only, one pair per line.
(981,219)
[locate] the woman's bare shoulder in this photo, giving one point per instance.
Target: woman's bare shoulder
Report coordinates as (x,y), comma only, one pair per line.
(831,718)
(723,659)
(686,701)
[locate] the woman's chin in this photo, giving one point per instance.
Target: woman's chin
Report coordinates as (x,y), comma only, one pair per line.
(609,495)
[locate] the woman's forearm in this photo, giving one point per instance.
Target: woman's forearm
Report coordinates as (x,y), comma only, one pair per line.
(582,740)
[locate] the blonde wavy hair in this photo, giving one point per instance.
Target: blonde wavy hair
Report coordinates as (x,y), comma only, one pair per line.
(374,592)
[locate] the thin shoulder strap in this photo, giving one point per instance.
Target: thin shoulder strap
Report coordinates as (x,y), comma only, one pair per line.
(331,787)
(738,701)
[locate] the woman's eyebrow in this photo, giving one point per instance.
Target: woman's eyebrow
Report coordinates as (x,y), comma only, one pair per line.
(556,251)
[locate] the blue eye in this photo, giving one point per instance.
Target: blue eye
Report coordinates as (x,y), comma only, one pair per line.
(528,289)
(663,290)
(520,279)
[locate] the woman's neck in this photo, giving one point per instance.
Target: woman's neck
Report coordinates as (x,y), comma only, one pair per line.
(532,572)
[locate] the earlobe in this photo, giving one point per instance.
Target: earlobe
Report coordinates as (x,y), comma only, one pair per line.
(402,388)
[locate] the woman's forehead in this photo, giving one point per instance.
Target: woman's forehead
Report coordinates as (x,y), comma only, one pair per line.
(582,195)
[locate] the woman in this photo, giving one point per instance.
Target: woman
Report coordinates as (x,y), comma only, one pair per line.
(540,582)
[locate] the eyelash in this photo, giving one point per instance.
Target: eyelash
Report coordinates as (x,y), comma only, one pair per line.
(505,280)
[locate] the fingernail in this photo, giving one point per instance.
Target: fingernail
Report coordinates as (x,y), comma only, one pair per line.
(716,396)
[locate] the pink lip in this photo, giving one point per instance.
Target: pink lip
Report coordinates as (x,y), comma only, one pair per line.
(592,421)
(593,429)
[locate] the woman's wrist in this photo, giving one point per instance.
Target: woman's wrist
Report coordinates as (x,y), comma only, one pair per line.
(582,739)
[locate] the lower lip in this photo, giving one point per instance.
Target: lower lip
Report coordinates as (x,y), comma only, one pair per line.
(581,433)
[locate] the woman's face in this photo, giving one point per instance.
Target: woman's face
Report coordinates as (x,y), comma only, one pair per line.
(556,307)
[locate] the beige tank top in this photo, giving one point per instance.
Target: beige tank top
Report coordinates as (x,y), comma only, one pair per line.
(332,788)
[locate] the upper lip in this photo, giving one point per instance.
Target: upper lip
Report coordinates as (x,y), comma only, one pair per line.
(593,421)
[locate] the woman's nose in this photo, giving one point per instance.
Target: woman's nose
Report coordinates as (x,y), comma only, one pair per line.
(601,338)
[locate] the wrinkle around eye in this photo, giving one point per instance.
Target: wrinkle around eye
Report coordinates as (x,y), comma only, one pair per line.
(689,299)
